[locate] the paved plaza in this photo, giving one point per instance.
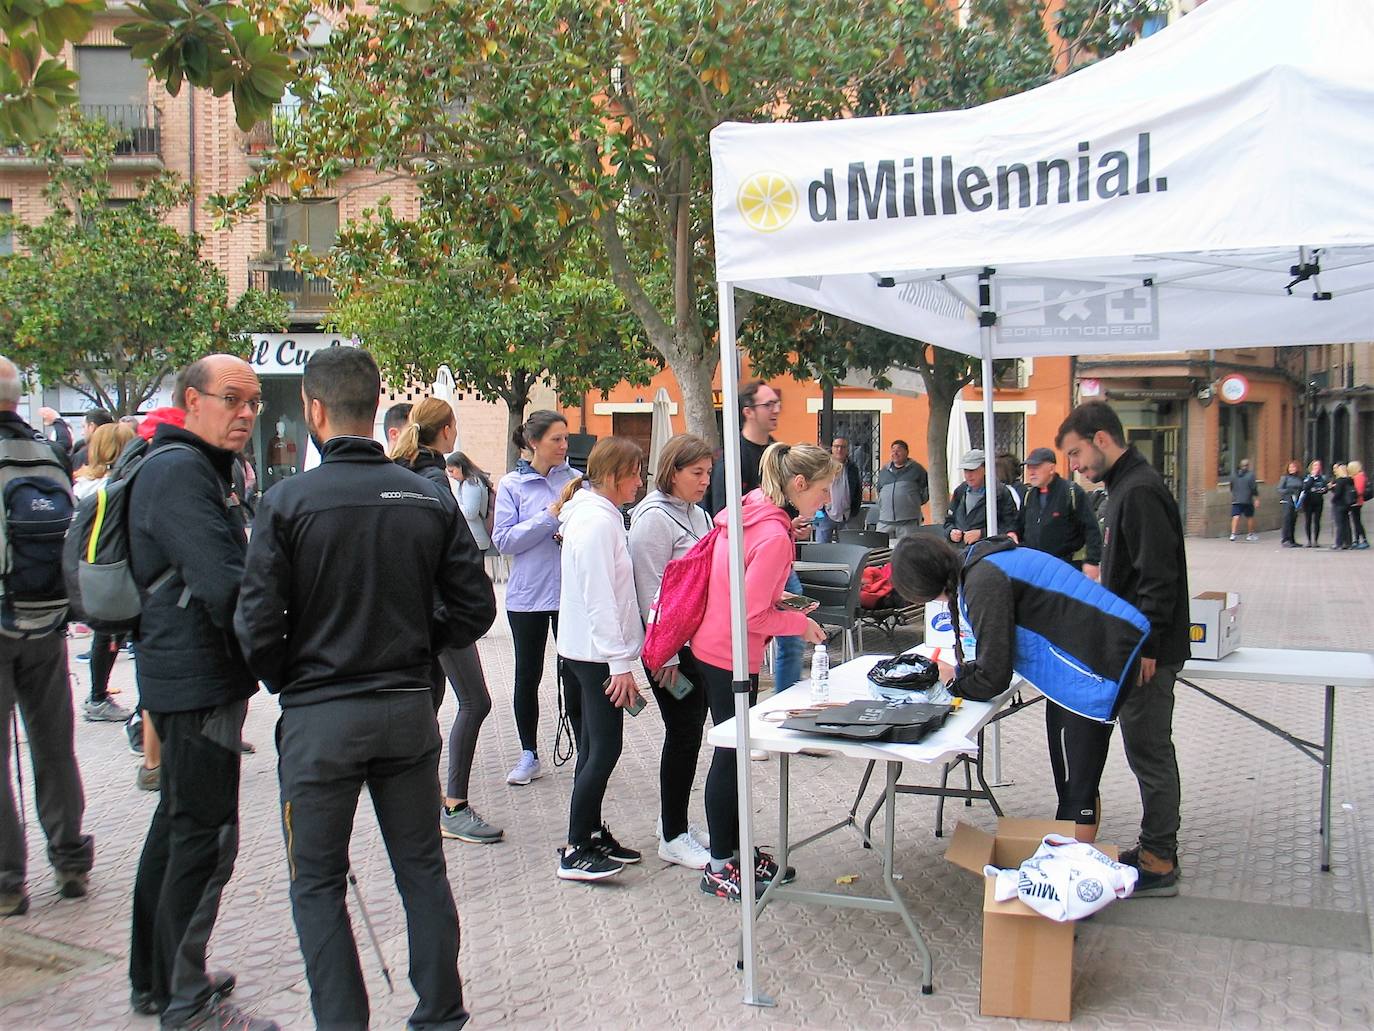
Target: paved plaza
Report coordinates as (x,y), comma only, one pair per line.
(651,951)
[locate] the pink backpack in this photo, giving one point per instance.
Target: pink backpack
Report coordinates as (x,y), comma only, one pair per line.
(676,612)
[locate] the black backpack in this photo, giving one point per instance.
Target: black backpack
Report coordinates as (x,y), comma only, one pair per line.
(95,559)
(36,507)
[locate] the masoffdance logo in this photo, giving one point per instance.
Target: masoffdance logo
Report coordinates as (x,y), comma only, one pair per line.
(767,201)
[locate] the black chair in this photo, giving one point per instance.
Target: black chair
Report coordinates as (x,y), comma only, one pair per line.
(836,590)
(866,538)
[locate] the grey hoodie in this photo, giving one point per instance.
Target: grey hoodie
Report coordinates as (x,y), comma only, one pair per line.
(662,527)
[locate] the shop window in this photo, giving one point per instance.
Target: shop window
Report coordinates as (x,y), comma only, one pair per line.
(1237,437)
(6,234)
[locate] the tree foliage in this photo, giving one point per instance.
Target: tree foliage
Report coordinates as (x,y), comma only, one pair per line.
(239,49)
(420,306)
(110,299)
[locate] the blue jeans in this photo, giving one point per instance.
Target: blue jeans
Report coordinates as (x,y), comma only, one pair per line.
(787,651)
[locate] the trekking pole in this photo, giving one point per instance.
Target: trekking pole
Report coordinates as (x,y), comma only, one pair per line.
(367,922)
(18,763)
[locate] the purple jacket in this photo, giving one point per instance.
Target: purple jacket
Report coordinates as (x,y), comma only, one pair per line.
(524,529)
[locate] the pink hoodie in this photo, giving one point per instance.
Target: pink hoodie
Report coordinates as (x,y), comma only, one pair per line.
(768,553)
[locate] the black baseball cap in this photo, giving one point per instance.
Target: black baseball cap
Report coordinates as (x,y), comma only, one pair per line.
(1039,455)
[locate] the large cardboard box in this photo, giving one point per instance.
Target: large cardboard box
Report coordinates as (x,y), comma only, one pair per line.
(1027,958)
(1214,624)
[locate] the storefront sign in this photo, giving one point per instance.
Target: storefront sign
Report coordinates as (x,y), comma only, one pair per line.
(1234,389)
(1147,395)
(285,354)
(1090,388)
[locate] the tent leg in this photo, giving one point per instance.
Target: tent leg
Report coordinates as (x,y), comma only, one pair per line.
(987,319)
(729,381)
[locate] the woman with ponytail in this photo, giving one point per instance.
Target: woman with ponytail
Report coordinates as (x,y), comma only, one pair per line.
(599,642)
(525,528)
(796,475)
(430,431)
(927,568)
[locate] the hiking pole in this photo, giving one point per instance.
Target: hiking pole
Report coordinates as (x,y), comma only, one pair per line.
(367,922)
(18,763)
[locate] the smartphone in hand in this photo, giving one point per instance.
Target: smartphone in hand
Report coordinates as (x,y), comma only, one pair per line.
(635,708)
(680,687)
(797,602)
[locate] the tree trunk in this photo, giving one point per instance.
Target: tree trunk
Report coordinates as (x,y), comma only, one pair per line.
(515,415)
(937,446)
(827,414)
(694,377)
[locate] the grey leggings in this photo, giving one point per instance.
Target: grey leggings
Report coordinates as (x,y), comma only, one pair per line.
(463,667)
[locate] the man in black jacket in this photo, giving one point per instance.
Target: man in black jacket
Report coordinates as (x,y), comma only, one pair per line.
(1143,561)
(1056,516)
(966,519)
(336,616)
(184,516)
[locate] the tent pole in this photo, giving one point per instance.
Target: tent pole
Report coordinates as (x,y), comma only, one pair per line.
(729,381)
(987,318)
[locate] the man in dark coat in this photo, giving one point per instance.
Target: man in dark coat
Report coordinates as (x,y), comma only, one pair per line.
(1056,516)
(184,516)
(966,519)
(337,617)
(1143,561)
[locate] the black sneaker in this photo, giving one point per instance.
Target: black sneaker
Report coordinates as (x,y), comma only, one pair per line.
(143,1002)
(726,883)
(1155,885)
(766,869)
(605,840)
(586,863)
(1131,857)
(71,884)
(219,1014)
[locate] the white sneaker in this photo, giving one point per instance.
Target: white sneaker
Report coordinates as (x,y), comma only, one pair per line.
(758,755)
(1252,536)
(1233,538)
(526,770)
(684,850)
(703,836)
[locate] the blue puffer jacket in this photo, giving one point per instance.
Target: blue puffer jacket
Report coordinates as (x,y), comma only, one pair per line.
(1076,641)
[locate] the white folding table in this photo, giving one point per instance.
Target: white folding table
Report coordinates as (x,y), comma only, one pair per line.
(1329,669)
(849,682)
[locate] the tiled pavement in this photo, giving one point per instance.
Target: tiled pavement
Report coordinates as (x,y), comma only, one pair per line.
(651,951)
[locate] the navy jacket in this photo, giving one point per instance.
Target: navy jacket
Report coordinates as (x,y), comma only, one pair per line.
(1035,615)
(183,513)
(342,574)
(1060,521)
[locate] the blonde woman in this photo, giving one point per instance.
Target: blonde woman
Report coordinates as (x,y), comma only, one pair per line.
(1359,539)
(798,475)
(431,431)
(1342,491)
(102,449)
(600,638)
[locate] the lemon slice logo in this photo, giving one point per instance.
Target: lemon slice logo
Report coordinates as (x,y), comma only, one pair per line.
(767,201)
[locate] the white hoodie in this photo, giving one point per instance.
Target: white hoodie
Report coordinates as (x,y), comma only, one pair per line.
(598,613)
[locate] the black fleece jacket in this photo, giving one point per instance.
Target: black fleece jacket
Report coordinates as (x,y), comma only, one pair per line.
(183,513)
(342,573)
(1143,558)
(1060,521)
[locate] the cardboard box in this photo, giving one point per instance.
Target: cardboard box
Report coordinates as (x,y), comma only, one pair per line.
(1027,958)
(1214,624)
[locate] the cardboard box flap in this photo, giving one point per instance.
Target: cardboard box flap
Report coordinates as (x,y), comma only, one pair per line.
(970,848)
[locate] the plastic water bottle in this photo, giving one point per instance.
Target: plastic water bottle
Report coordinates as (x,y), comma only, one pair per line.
(820,676)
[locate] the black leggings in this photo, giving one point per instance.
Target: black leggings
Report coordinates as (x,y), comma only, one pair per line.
(600,733)
(1340,519)
(1290,523)
(684,720)
(463,668)
(1312,521)
(1078,754)
(104,651)
(1357,523)
(530,633)
(722,785)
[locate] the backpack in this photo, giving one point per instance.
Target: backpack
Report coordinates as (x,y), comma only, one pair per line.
(1368,493)
(489,511)
(676,613)
(36,505)
(95,559)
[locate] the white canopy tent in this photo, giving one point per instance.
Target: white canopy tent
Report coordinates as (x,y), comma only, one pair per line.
(1211,187)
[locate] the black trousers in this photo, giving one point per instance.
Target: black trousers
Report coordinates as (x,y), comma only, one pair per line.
(1290,523)
(104,651)
(1147,720)
(600,736)
(530,635)
(1357,523)
(1078,755)
(1340,517)
(722,784)
(388,741)
(188,856)
(1312,520)
(684,721)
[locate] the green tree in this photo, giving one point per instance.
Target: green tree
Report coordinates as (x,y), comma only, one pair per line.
(109,299)
(420,308)
(238,49)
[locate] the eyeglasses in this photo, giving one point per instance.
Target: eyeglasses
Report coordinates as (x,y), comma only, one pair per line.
(233,402)
(775,404)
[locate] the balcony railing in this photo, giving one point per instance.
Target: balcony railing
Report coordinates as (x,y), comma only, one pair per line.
(269,133)
(303,293)
(138,130)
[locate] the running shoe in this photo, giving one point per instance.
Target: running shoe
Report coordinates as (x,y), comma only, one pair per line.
(526,770)
(684,850)
(766,868)
(104,711)
(586,862)
(467,825)
(726,883)
(605,840)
